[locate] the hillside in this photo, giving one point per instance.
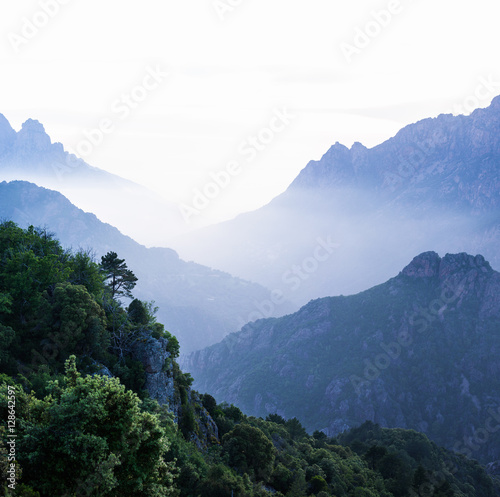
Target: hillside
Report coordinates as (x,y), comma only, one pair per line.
(196,303)
(435,184)
(93,402)
(420,351)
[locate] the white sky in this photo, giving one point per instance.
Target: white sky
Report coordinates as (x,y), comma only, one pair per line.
(228,77)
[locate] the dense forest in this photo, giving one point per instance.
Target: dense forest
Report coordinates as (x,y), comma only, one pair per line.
(78,415)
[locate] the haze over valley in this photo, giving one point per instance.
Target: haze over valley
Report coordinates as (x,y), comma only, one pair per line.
(250,249)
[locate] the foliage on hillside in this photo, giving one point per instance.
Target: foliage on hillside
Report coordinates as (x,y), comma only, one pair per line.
(86,427)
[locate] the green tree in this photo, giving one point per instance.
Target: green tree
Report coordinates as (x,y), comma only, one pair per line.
(295,428)
(249,450)
(121,279)
(373,456)
(318,484)
(209,403)
(138,313)
(86,272)
(93,439)
(76,324)
(7,335)
(220,482)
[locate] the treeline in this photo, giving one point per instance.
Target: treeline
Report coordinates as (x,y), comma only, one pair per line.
(85,425)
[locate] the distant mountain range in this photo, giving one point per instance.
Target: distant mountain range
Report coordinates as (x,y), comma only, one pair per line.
(435,185)
(420,351)
(197,304)
(30,155)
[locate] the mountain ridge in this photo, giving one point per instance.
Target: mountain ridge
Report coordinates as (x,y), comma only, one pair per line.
(436,183)
(409,353)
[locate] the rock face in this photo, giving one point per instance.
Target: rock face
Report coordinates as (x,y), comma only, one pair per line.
(153,355)
(161,386)
(420,351)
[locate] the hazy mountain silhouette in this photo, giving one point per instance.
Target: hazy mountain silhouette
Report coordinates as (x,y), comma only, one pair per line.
(31,156)
(436,184)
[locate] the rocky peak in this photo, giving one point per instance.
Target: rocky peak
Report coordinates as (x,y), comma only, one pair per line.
(425,265)
(32,137)
(429,265)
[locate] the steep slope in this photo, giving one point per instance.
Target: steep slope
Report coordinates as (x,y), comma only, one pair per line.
(31,156)
(435,184)
(199,305)
(420,351)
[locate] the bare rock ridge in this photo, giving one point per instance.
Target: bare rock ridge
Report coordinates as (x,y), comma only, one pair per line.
(153,355)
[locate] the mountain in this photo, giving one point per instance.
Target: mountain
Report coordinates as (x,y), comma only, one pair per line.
(421,351)
(30,155)
(199,305)
(435,184)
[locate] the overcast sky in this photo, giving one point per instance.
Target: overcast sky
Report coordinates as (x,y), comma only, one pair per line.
(185,88)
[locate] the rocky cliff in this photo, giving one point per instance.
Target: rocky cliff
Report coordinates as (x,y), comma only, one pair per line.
(420,351)
(162,384)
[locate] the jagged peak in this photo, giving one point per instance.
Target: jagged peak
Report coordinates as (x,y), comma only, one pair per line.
(425,265)
(495,103)
(453,263)
(32,136)
(33,125)
(429,265)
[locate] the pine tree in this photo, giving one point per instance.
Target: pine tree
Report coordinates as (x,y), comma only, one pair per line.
(122,279)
